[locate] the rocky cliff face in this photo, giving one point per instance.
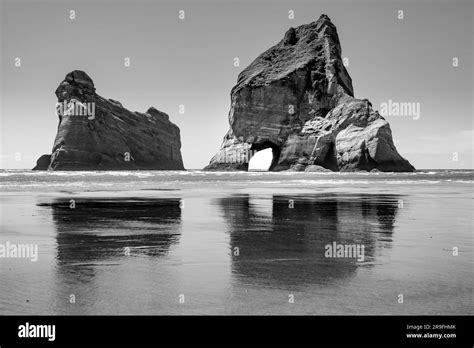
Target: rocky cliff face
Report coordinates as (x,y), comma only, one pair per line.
(297,98)
(95,133)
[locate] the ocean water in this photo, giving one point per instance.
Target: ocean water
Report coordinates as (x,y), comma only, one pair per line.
(194,242)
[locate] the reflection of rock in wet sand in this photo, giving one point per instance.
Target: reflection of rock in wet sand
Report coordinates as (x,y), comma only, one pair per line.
(282,245)
(99,229)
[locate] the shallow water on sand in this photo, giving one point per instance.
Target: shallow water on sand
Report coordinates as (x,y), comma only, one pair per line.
(236,243)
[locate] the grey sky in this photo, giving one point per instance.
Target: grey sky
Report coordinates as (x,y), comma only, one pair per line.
(190,62)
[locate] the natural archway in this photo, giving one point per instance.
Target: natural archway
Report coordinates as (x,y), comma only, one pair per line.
(266,158)
(330,161)
(261,161)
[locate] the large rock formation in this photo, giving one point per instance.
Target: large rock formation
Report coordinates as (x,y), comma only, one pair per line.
(100,134)
(297,98)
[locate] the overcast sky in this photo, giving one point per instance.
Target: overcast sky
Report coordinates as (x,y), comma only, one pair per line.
(190,62)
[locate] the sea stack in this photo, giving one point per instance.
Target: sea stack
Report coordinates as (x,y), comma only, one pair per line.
(297,98)
(95,133)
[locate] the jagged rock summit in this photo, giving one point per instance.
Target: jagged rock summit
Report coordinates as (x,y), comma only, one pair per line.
(95,133)
(298,99)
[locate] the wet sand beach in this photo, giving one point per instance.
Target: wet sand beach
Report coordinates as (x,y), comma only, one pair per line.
(237,243)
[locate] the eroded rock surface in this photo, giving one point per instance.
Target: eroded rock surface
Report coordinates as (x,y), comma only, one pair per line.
(297,98)
(95,133)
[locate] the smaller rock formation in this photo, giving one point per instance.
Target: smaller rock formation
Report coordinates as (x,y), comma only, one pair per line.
(43,162)
(95,133)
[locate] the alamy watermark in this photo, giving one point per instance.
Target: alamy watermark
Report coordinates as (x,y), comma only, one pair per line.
(26,251)
(339,250)
(37,331)
(406,109)
(74,107)
(238,156)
